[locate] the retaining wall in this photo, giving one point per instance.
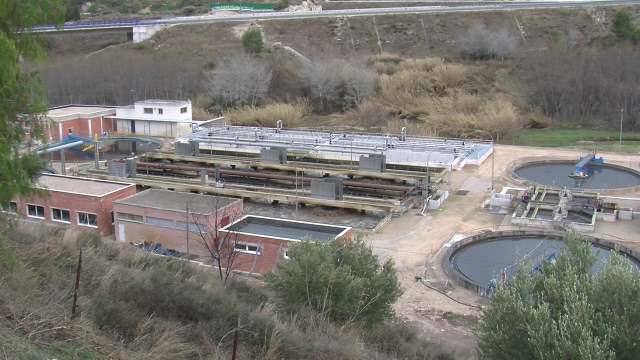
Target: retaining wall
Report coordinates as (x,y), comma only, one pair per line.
(522,181)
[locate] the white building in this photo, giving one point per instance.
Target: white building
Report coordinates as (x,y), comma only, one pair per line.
(155,118)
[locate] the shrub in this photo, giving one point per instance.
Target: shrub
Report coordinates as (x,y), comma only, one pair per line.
(343,279)
(252,39)
(290,114)
(189,10)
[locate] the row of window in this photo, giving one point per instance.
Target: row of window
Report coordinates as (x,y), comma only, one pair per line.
(253,249)
(167,223)
(58,215)
(183,110)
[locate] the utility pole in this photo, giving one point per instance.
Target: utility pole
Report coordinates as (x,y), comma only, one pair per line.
(75,293)
(187,216)
(621,119)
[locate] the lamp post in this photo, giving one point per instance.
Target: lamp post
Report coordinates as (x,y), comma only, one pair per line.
(426,193)
(493,154)
(621,118)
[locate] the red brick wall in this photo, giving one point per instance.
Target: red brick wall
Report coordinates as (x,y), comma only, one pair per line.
(80,128)
(268,252)
(74,203)
(171,238)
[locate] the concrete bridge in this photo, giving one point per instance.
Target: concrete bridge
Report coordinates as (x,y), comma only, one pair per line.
(137,30)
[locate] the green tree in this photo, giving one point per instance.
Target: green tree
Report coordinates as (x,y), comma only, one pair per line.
(252,39)
(565,311)
(623,27)
(343,279)
(22,95)
(73,13)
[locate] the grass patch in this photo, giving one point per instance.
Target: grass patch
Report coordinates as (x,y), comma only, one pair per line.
(134,305)
(454,199)
(584,139)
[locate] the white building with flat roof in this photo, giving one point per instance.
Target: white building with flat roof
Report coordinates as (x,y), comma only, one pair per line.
(155,118)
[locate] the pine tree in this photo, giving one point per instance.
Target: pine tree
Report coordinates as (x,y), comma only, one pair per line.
(22,95)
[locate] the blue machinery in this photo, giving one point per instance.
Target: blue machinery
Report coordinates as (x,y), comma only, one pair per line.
(71,142)
(587,158)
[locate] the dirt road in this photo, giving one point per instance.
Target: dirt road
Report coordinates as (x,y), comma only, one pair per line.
(415,239)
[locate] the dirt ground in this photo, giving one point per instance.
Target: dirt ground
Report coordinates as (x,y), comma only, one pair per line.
(415,239)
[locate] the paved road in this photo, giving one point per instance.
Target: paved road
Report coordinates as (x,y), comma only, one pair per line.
(396,10)
(332,13)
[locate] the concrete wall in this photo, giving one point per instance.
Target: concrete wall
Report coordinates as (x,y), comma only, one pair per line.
(173,237)
(449,269)
(74,203)
(142,33)
(170,111)
(154,128)
(521,181)
(435,204)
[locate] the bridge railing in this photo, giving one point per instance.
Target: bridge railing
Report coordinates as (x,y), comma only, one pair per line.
(96,24)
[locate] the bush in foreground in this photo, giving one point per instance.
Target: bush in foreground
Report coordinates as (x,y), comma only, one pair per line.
(343,279)
(565,312)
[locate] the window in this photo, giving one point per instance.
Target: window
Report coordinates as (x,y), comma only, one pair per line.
(183,110)
(160,112)
(70,130)
(148,110)
(286,254)
(160,222)
(130,217)
(35,211)
(60,215)
(181,225)
(246,248)
(86,219)
(13,208)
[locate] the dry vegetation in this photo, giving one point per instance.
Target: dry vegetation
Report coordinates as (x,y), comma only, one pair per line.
(138,306)
(292,114)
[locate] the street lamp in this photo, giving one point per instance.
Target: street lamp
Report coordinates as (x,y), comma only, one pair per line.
(621,118)
(426,193)
(493,154)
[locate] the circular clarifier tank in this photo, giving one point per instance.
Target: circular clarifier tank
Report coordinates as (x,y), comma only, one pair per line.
(555,173)
(477,260)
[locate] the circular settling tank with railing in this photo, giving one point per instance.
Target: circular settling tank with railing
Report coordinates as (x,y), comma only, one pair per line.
(475,261)
(600,177)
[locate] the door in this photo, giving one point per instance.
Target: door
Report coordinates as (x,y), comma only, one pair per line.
(133,126)
(121,232)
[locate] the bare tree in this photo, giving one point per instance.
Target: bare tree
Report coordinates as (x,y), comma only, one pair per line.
(238,81)
(324,77)
(503,42)
(203,227)
(482,43)
(359,79)
(569,37)
(475,42)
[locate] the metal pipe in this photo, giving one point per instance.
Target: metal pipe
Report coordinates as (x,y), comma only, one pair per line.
(60,147)
(260,175)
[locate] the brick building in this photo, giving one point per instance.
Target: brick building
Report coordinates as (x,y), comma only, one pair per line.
(81,120)
(261,241)
(74,201)
(160,216)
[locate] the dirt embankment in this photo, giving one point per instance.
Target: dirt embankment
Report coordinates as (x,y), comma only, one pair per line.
(411,35)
